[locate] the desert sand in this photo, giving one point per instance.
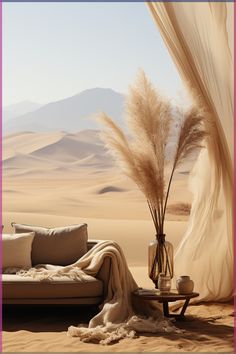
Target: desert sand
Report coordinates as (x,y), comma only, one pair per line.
(55,179)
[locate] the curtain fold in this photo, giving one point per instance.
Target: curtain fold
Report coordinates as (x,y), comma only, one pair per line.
(199,37)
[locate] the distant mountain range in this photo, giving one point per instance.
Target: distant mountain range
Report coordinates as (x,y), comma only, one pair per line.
(62,135)
(18,109)
(71,114)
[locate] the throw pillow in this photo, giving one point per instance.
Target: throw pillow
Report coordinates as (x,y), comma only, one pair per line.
(17,250)
(58,246)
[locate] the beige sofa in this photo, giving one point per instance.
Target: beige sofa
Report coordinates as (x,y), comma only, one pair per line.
(26,290)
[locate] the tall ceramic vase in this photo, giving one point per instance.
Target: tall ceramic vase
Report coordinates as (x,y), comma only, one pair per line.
(160,259)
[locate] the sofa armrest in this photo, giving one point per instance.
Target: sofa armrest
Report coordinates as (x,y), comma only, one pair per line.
(104,271)
(91,243)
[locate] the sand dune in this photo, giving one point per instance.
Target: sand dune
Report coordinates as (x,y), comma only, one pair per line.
(88,136)
(27,142)
(59,146)
(23,161)
(68,149)
(53,152)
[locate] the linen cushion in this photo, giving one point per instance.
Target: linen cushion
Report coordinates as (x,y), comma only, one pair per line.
(18,287)
(17,250)
(59,246)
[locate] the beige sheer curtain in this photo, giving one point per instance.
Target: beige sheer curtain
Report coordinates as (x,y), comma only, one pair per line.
(199,37)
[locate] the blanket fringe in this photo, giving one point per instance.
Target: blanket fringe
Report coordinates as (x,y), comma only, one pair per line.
(111,333)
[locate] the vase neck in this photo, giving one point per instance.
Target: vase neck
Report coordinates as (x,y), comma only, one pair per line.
(160,238)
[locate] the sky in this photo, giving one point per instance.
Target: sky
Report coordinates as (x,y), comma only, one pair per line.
(55,50)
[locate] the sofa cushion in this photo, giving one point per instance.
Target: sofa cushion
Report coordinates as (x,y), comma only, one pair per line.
(18,287)
(17,250)
(59,246)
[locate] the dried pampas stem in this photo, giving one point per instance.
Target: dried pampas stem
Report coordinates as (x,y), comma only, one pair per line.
(143,156)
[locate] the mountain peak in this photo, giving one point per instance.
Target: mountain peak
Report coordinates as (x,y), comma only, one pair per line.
(18,109)
(70,114)
(100,89)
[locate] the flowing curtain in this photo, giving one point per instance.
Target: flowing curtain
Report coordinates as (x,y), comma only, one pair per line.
(199,37)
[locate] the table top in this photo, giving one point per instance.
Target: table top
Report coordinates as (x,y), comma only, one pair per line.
(149,294)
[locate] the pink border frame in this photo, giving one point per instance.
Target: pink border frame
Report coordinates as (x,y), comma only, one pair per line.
(1,175)
(234,178)
(234,193)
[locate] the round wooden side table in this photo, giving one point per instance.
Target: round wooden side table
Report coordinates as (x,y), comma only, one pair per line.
(154,295)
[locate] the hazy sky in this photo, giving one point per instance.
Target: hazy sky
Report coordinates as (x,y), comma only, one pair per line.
(55,50)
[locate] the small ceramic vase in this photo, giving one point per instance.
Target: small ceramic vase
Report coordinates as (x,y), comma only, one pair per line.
(184,285)
(164,284)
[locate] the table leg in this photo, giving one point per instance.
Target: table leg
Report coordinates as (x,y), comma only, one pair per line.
(166,309)
(184,308)
(179,316)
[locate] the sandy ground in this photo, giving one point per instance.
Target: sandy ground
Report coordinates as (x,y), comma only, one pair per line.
(49,182)
(209,328)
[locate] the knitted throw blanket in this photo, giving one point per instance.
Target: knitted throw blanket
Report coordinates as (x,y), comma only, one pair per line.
(118,316)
